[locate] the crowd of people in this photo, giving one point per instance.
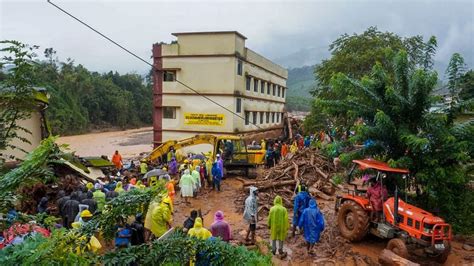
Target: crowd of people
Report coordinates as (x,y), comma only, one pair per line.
(192,176)
(306,217)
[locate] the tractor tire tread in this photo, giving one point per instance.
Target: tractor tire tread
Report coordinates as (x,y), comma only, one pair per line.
(397,246)
(361,226)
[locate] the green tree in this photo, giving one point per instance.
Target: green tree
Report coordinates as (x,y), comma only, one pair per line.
(17,95)
(406,134)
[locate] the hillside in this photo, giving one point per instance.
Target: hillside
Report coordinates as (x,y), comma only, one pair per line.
(300,82)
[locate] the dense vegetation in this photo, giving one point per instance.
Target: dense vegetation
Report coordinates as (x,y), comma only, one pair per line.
(81,99)
(384,94)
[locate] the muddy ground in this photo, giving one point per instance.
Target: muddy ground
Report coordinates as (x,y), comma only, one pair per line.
(133,142)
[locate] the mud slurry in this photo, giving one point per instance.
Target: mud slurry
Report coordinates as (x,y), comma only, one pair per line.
(332,249)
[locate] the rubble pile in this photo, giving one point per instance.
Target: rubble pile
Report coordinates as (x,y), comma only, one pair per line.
(307,167)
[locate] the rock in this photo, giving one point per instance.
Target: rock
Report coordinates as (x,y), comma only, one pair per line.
(468,247)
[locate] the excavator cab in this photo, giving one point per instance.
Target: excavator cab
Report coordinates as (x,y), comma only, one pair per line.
(404,224)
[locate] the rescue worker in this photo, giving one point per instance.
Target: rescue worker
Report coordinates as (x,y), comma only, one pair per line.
(220,228)
(173,166)
(270,157)
(89,186)
(123,235)
(170,188)
(84,217)
(307,142)
(263,144)
(148,217)
(89,201)
(119,188)
(216,176)
(197,179)
(300,203)
(284,150)
(312,223)
(199,231)
(209,164)
(220,163)
(70,209)
(99,197)
(161,218)
(250,213)
(294,147)
(186,184)
(278,225)
(143,167)
(117,160)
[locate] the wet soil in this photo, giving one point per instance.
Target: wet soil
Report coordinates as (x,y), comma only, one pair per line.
(363,253)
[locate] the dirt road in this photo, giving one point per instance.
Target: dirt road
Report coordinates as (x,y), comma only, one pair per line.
(209,202)
(130,143)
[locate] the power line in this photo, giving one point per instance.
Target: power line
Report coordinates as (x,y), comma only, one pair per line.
(146,62)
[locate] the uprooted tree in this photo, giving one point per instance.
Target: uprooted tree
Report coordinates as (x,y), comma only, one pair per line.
(390,109)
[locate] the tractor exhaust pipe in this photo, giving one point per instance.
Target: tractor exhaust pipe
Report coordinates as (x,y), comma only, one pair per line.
(395,206)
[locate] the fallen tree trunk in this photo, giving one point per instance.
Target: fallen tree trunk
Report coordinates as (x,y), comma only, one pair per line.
(318,193)
(268,185)
(387,257)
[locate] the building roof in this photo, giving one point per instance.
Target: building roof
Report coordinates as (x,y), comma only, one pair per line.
(209,32)
(378,165)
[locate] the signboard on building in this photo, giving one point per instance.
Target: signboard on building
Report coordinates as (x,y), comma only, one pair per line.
(193,119)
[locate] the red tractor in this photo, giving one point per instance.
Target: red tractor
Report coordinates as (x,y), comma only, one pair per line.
(402,223)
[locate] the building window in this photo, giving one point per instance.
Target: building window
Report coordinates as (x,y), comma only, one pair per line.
(255,85)
(281,114)
(278,91)
(283,92)
(273,117)
(254,116)
(169,75)
(169,112)
(261,117)
(273,89)
(238,105)
(247,83)
(268,88)
(262,86)
(239,67)
(278,117)
(268,117)
(247,117)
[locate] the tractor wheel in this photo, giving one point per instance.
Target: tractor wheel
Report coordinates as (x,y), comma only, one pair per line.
(397,246)
(353,221)
(441,258)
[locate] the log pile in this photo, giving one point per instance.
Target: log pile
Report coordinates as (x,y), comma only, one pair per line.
(307,167)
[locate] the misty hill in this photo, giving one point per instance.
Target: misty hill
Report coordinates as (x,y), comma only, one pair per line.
(300,82)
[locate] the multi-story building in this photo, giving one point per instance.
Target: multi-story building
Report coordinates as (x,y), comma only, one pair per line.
(209,82)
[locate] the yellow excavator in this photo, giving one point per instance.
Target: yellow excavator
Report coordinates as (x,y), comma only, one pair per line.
(234,151)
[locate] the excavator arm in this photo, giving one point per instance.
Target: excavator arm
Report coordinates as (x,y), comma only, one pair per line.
(165,146)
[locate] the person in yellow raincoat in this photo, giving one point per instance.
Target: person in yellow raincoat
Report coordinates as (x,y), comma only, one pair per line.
(153,181)
(161,218)
(148,223)
(140,185)
(118,187)
(294,147)
(199,231)
(278,224)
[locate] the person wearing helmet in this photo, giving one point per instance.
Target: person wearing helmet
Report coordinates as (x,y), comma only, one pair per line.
(143,167)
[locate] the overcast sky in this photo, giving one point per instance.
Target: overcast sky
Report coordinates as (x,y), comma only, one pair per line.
(295,33)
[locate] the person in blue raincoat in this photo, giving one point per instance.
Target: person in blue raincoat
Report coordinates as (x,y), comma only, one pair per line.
(312,222)
(300,203)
